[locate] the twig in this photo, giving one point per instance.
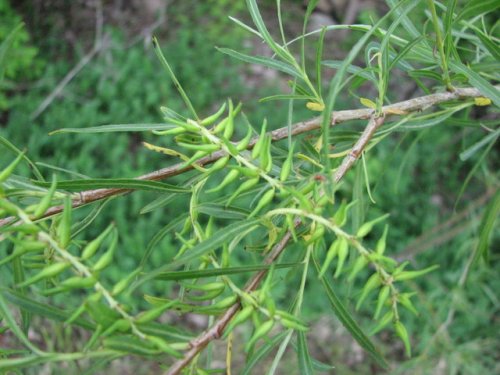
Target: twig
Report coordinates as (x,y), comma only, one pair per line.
(374,123)
(407,106)
(215,332)
(71,74)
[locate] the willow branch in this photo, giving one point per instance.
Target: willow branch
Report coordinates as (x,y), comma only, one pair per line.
(217,329)
(215,332)
(374,123)
(407,106)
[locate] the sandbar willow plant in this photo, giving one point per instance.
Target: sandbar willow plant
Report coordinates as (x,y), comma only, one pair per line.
(248,194)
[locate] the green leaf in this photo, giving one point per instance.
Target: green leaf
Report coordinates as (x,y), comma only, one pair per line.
(41,309)
(346,319)
(353,69)
(486,88)
(115,128)
(304,358)
(218,239)
(264,33)
(265,61)
(221,211)
(115,183)
(6,46)
(9,321)
(474,8)
(8,145)
(486,228)
(198,274)
(464,155)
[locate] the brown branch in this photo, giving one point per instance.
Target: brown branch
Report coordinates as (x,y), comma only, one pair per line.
(215,332)
(411,105)
(374,123)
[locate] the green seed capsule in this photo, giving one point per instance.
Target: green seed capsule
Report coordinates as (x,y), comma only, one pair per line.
(79,282)
(383,295)
(229,129)
(385,320)
(217,285)
(7,171)
(400,330)
(212,118)
(404,299)
(150,315)
(44,203)
(359,264)
(49,271)
(240,317)
(243,144)
(343,251)
(286,168)
(120,325)
(123,283)
(259,333)
(372,283)
(367,227)
(106,259)
(292,324)
(330,255)
(263,202)
(230,177)
(200,147)
(260,142)
(94,245)
(243,187)
(219,164)
(174,131)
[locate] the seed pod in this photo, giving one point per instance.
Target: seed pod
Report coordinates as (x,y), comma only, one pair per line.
(404,299)
(408,275)
(265,154)
(257,148)
(120,325)
(343,251)
(123,283)
(219,164)
(330,255)
(380,247)
(400,330)
(208,287)
(242,144)
(359,264)
(248,184)
(209,148)
(7,171)
(174,131)
(91,248)
(230,177)
(259,333)
(263,202)
(317,233)
(49,271)
(229,129)
(44,203)
(156,312)
(382,298)
(231,148)
(385,320)
(64,228)
(106,259)
(372,283)
(220,126)
(367,227)
(240,317)
(163,346)
(292,324)
(79,282)
(286,168)
(212,118)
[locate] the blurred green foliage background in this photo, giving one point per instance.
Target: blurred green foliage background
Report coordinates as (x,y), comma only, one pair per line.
(416,177)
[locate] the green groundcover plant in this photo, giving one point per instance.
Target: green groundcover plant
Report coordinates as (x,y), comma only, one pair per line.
(273,200)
